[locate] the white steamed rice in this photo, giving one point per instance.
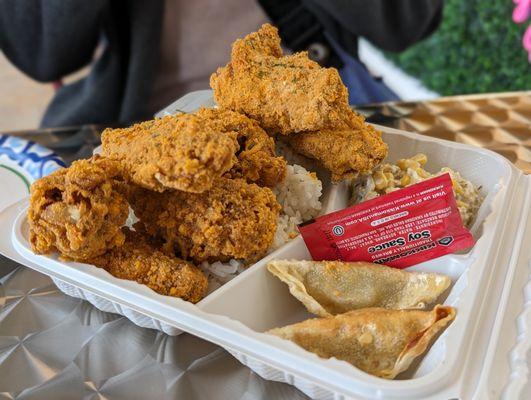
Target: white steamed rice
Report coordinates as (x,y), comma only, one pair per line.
(298,195)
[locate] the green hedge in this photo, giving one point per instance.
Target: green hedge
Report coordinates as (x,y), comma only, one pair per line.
(477,49)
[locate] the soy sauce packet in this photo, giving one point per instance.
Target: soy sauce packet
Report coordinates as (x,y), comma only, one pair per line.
(399,229)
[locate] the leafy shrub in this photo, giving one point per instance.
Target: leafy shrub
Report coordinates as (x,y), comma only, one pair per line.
(477,49)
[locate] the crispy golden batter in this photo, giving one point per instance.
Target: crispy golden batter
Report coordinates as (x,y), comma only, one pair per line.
(77,210)
(378,341)
(140,261)
(180,152)
(257,162)
(233,219)
(294,95)
(334,287)
(284,94)
(345,151)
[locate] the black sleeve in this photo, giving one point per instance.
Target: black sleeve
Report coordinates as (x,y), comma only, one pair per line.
(389,24)
(48,39)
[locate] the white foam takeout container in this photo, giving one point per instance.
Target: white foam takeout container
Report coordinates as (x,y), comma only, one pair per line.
(482,354)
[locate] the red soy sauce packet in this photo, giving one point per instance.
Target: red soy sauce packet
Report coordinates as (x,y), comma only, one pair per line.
(399,229)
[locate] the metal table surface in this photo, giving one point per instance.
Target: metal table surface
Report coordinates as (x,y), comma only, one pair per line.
(56,347)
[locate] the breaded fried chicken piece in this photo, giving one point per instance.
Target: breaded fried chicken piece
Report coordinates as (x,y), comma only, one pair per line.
(284,94)
(345,151)
(140,261)
(257,162)
(234,219)
(180,152)
(78,211)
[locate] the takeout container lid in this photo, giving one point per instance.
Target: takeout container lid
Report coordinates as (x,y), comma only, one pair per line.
(482,354)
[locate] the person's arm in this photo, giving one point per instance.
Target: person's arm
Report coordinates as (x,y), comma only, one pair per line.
(389,24)
(48,39)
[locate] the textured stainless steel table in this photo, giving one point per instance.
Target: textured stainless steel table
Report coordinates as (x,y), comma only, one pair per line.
(56,347)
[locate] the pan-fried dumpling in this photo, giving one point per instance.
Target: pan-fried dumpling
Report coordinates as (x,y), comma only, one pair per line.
(334,287)
(378,341)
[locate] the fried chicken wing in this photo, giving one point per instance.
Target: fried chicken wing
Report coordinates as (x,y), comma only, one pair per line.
(257,162)
(294,96)
(345,151)
(78,211)
(234,219)
(285,94)
(180,152)
(138,260)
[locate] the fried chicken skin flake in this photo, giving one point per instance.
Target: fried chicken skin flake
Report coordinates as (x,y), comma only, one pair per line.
(257,161)
(345,151)
(181,152)
(78,211)
(285,94)
(138,260)
(234,219)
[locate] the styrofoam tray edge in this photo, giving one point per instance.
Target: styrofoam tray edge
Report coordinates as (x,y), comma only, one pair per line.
(270,373)
(520,353)
(103,304)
